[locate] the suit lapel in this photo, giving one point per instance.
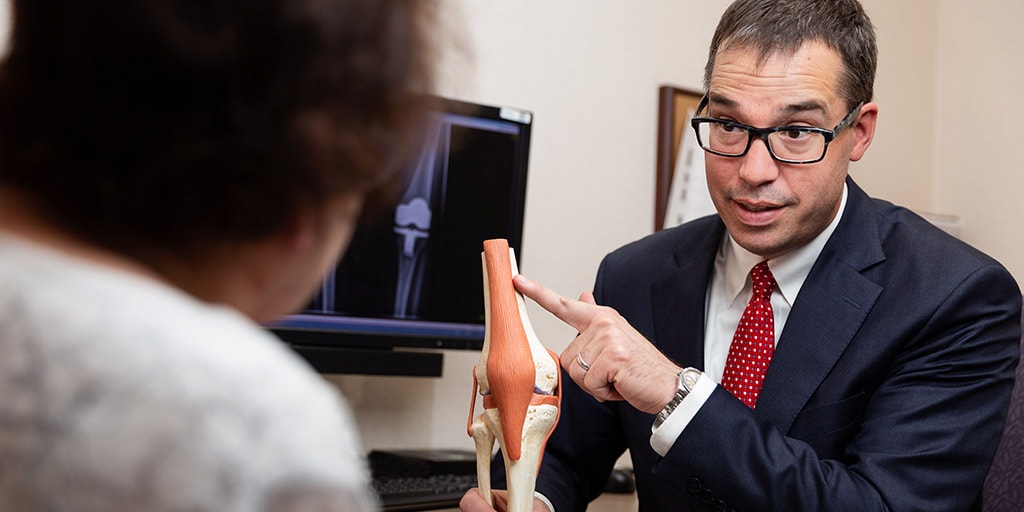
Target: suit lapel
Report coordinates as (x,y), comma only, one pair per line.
(833,303)
(678,300)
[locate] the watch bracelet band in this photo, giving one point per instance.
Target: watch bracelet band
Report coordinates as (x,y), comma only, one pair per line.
(682,391)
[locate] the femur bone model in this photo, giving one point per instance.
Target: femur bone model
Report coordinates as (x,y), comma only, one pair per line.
(519,380)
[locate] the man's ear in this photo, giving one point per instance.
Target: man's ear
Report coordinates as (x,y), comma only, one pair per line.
(864,130)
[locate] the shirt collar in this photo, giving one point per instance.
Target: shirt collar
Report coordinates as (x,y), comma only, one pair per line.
(790,270)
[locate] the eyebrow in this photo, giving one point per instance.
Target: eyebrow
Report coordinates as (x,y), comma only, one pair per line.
(795,108)
(806,106)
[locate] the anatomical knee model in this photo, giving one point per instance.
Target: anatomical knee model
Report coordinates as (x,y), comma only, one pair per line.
(519,381)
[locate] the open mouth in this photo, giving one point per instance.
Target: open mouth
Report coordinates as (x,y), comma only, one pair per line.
(757,214)
(758,208)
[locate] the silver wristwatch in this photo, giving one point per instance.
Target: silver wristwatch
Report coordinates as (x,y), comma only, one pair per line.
(687,380)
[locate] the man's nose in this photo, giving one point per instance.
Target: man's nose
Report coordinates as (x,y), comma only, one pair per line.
(758,166)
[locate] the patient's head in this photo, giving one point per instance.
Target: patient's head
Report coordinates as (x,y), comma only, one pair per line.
(168,126)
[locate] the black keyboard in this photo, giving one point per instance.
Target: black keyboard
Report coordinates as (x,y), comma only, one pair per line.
(412,480)
(422,493)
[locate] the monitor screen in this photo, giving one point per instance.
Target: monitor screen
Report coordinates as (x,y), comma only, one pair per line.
(413,277)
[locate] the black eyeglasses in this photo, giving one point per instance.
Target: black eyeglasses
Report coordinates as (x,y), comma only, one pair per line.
(787,144)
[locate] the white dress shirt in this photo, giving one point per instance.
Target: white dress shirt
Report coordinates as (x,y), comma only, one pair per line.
(728,295)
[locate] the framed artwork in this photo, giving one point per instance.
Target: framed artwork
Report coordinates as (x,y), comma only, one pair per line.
(674,104)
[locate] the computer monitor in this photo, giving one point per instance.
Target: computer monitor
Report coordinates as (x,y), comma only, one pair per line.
(412,279)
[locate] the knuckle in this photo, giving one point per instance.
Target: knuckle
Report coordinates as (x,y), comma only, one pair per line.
(618,352)
(605,318)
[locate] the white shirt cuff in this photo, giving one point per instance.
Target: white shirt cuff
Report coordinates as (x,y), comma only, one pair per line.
(665,435)
(544,499)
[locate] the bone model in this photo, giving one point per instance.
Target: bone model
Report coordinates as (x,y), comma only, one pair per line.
(519,381)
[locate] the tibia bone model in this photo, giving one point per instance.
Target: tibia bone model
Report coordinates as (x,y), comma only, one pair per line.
(519,380)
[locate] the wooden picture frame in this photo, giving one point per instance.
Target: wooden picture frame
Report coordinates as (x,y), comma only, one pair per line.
(673,105)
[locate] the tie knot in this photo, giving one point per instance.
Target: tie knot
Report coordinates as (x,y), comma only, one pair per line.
(763,280)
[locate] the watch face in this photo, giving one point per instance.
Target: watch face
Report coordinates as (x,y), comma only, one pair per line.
(689,378)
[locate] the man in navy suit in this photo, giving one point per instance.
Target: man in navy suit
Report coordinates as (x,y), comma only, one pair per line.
(894,344)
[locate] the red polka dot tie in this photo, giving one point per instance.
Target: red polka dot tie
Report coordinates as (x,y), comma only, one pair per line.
(754,342)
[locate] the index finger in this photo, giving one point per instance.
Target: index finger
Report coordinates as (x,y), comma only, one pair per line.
(573,312)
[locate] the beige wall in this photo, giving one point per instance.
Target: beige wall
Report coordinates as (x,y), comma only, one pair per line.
(979,123)
(899,164)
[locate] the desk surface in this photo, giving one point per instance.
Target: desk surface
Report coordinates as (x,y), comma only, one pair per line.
(604,503)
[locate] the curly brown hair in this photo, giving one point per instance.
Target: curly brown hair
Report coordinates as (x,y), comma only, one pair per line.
(167,125)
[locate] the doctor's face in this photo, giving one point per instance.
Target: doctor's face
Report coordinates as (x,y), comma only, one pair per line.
(770,207)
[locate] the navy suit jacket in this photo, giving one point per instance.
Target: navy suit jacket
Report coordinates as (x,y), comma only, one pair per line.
(888,390)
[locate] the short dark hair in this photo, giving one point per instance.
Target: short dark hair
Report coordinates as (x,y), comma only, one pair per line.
(772,26)
(166,125)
